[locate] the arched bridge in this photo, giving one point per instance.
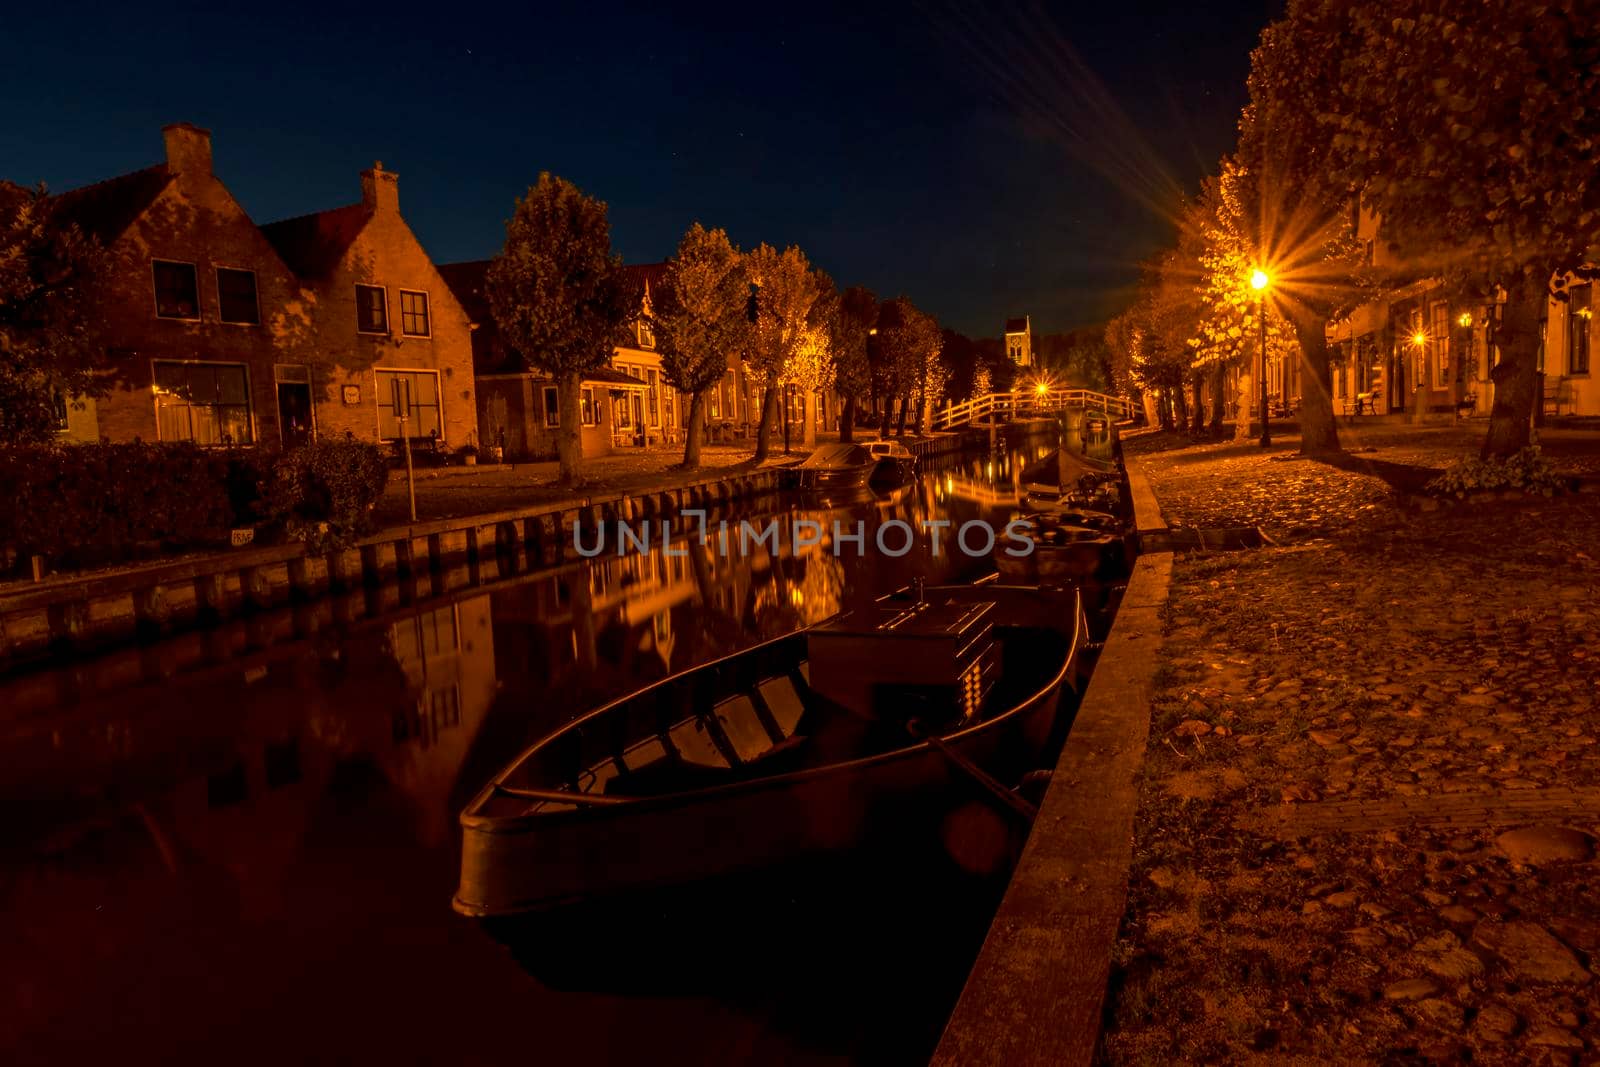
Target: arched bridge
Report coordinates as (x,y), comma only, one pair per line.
(1028,403)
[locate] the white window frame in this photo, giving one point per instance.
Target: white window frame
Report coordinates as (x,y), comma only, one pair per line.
(387,321)
(255,278)
(155,293)
(378,405)
(249,399)
(427,301)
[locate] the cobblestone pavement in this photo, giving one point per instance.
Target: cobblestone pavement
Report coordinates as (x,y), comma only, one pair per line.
(1372,790)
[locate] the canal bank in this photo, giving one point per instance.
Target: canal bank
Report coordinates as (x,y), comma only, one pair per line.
(75,615)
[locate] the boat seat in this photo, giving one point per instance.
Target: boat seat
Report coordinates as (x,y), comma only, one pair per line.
(742,726)
(783,700)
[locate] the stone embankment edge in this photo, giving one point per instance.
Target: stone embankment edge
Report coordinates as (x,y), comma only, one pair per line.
(163,597)
(1037,991)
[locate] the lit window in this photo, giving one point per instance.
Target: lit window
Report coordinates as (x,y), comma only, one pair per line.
(59,405)
(236,296)
(372,309)
(1580,312)
(207,403)
(552,406)
(655,411)
(410,393)
(177,290)
(590,416)
(647,336)
(413,313)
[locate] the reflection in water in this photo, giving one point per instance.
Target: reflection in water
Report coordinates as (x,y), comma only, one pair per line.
(266,845)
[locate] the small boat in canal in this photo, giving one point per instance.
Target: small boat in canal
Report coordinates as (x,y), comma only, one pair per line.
(809,744)
(852,468)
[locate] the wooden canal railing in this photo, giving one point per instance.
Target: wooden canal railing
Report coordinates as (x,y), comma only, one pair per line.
(1028,402)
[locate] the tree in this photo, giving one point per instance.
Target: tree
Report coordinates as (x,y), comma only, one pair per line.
(910,342)
(1489,180)
(785,290)
(47,353)
(699,318)
(559,296)
(811,370)
(856,318)
(1300,205)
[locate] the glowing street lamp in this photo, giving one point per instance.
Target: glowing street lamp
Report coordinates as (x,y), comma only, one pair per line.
(1260,281)
(1042,389)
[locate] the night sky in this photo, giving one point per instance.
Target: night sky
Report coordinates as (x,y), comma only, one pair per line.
(984,163)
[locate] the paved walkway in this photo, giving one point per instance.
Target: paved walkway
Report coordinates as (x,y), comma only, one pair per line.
(1373,785)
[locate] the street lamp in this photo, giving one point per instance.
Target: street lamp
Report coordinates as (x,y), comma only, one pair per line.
(1259,282)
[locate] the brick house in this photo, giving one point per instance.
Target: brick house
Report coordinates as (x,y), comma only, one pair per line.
(196,310)
(395,345)
(626,404)
(219,331)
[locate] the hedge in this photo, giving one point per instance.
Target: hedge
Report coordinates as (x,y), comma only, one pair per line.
(87,505)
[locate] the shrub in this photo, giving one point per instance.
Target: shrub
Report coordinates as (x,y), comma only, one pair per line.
(323,493)
(1527,470)
(90,504)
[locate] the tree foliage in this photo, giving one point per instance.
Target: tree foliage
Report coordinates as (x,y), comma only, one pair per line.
(785,291)
(559,295)
(699,318)
(1489,180)
(856,316)
(47,352)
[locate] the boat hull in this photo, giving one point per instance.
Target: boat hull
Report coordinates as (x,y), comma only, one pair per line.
(518,866)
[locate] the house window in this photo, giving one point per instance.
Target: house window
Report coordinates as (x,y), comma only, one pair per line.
(207,403)
(655,411)
(647,336)
(413,313)
(372,309)
(716,402)
(58,403)
(1580,312)
(1439,342)
(412,393)
(236,296)
(177,290)
(667,406)
(552,406)
(590,415)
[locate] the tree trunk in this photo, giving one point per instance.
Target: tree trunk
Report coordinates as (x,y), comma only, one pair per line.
(1248,405)
(810,432)
(1180,405)
(769,408)
(569,443)
(886,417)
(900,428)
(847,424)
(1219,386)
(697,428)
(1516,376)
(1319,433)
(1197,417)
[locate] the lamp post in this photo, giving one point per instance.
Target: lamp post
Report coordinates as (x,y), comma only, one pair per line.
(1259,282)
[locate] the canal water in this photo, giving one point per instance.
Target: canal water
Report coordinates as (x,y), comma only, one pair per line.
(241,847)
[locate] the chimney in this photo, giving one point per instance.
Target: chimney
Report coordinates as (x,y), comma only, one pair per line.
(188,148)
(380,190)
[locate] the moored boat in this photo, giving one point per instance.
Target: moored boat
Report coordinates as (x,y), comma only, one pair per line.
(810,743)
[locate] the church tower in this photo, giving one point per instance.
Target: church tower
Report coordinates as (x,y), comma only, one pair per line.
(1019,341)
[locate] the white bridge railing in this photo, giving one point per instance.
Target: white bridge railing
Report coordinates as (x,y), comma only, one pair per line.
(1026,402)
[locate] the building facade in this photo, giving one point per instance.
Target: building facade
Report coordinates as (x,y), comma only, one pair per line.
(1019,341)
(222,332)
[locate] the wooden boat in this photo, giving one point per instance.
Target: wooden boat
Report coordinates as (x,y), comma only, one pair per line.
(851,467)
(810,743)
(1064,555)
(837,467)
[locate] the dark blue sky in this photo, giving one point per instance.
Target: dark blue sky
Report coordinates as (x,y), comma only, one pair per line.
(985,162)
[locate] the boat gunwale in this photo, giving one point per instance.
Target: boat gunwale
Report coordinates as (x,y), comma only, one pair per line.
(525,822)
